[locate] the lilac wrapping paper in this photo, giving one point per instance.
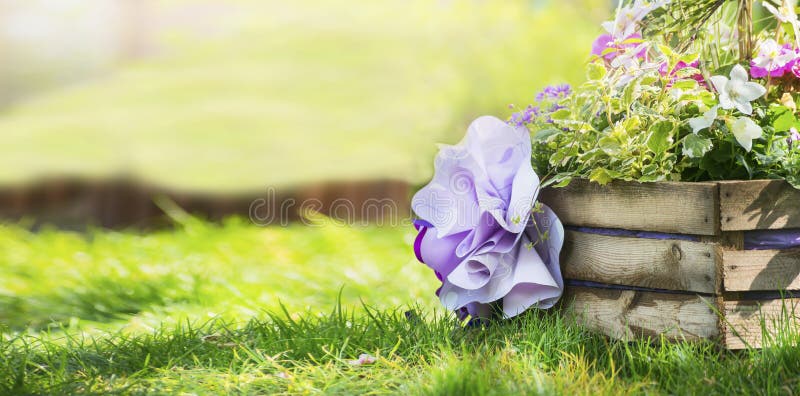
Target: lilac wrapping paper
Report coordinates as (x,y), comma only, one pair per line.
(753,240)
(772,239)
(478,231)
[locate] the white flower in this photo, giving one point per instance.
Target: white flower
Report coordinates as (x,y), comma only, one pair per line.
(772,56)
(628,17)
(629,60)
(745,130)
(737,92)
(705,121)
(784,13)
(722,34)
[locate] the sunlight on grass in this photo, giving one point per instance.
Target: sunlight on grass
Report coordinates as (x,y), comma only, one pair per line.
(202,271)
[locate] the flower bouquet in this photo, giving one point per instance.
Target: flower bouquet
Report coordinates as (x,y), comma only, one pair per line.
(676,92)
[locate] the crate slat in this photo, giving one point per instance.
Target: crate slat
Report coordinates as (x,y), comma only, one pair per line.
(670,207)
(759,205)
(628,314)
(651,263)
(743,321)
(749,270)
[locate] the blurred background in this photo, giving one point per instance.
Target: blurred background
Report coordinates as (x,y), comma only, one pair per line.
(106,103)
(113,112)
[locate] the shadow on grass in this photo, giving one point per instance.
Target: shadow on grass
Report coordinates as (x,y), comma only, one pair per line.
(100,300)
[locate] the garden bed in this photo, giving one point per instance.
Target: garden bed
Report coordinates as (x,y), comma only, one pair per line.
(681,259)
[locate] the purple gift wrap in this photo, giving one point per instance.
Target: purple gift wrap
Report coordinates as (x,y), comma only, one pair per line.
(479,229)
(753,240)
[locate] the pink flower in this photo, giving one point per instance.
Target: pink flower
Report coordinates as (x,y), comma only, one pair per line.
(682,65)
(773,60)
(794,67)
(612,48)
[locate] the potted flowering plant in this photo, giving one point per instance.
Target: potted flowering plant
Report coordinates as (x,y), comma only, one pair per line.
(662,195)
(674,94)
(679,92)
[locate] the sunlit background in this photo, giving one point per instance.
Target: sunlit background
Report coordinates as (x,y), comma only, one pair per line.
(113,112)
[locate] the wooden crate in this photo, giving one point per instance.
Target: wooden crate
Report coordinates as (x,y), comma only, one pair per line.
(700,283)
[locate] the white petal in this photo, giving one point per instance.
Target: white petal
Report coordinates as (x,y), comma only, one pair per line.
(608,26)
(750,91)
(739,73)
(745,130)
(744,107)
(773,10)
(785,58)
(719,83)
(725,101)
(700,123)
(761,61)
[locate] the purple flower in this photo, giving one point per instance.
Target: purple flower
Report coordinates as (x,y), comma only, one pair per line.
(608,48)
(794,136)
(554,92)
(524,117)
(476,225)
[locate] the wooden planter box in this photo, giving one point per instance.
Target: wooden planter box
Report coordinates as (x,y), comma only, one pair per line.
(707,287)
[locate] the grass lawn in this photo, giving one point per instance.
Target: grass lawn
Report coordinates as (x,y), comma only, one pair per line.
(258,93)
(210,309)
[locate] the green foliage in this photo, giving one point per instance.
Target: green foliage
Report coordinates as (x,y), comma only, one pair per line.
(657,117)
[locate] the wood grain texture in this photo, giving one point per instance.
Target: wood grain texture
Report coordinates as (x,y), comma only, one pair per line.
(652,263)
(745,321)
(758,205)
(627,314)
(748,270)
(671,207)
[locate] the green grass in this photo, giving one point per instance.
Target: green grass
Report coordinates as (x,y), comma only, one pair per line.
(281,93)
(231,308)
(235,271)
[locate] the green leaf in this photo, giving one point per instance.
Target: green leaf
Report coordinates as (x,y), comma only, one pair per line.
(561,114)
(609,145)
(603,176)
(687,72)
(684,84)
(660,136)
(688,58)
(666,50)
(742,161)
(595,71)
(559,180)
(695,146)
(543,134)
(631,92)
(784,119)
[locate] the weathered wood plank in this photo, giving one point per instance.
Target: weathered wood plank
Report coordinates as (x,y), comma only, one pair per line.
(627,314)
(759,205)
(744,319)
(671,207)
(748,270)
(653,263)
